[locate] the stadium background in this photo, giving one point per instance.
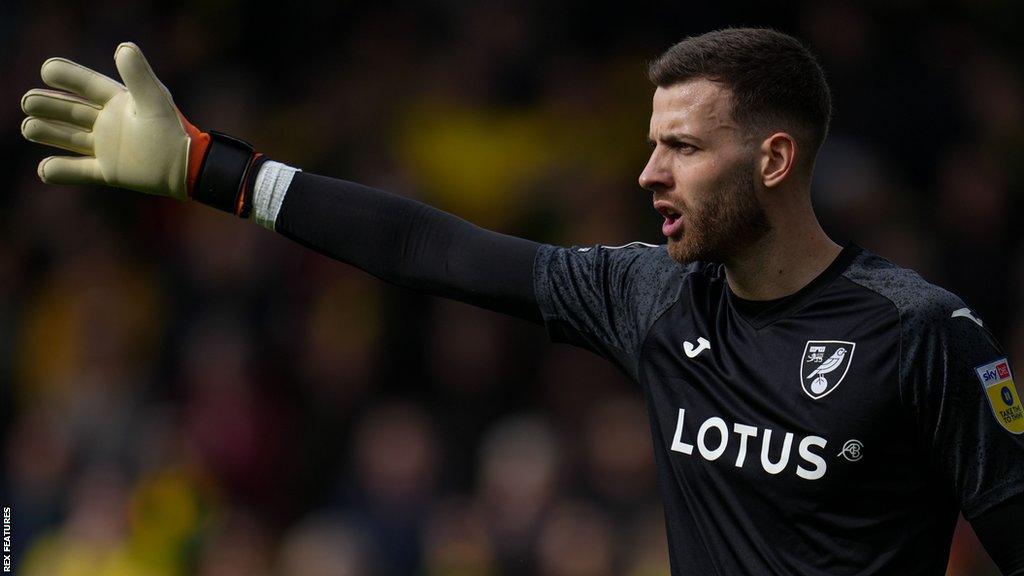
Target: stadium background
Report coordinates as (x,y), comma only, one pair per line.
(185,393)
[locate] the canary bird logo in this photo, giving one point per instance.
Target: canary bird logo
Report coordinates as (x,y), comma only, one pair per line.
(825,364)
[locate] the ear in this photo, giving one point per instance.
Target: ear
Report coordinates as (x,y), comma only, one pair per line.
(778,158)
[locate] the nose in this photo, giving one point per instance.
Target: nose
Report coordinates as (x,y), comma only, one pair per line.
(656,175)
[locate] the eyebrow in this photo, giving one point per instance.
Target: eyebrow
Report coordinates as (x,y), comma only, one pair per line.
(674,138)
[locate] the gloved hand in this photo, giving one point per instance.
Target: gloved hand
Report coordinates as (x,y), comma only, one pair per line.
(132,135)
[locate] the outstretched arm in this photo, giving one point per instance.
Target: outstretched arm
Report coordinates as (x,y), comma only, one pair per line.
(132,136)
(408,243)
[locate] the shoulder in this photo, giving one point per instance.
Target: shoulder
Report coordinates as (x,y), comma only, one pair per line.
(631,251)
(635,261)
(642,277)
(940,338)
(919,303)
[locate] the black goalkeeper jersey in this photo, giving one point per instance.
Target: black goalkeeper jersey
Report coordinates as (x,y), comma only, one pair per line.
(836,431)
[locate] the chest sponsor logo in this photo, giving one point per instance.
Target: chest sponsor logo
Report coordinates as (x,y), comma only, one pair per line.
(997,381)
(774,455)
(824,365)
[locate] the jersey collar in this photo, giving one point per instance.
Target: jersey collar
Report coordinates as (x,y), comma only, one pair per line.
(760,313)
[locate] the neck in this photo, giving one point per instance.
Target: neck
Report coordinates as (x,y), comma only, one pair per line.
(783,262)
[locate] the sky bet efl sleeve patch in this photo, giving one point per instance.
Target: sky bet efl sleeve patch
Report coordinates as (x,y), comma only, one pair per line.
(997,381)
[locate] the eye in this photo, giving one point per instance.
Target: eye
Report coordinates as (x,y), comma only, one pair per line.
(684,147)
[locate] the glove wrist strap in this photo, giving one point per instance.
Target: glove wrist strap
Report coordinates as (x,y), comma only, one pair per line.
(222,176)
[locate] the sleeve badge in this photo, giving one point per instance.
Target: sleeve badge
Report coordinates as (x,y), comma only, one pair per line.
(997,380)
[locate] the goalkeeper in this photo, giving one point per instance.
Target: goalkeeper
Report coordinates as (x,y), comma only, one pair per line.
(904,412)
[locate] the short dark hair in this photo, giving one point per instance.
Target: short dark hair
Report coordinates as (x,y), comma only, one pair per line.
(773,78)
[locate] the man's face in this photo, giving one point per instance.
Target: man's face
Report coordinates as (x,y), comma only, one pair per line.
(702,173)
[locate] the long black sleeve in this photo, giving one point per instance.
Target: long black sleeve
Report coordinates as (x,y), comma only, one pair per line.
(999,532)
(411,244)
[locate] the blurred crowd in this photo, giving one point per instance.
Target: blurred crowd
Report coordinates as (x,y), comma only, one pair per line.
(186,393)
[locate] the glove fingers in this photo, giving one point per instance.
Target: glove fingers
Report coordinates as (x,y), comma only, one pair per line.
(59,106)
(64,74)
(150,96)
(58,134)
(83,170)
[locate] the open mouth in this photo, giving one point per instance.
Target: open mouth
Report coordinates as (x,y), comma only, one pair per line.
(673,224)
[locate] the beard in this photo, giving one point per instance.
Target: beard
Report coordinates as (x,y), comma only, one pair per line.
(728,220)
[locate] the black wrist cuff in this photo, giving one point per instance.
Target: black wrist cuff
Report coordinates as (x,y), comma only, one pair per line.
(223,172)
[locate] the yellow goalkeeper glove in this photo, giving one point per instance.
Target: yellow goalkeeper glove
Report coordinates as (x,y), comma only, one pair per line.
(131,136)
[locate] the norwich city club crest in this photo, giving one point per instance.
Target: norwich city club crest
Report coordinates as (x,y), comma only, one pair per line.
(824,366)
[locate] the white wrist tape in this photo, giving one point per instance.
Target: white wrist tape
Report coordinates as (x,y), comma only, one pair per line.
(272,184)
